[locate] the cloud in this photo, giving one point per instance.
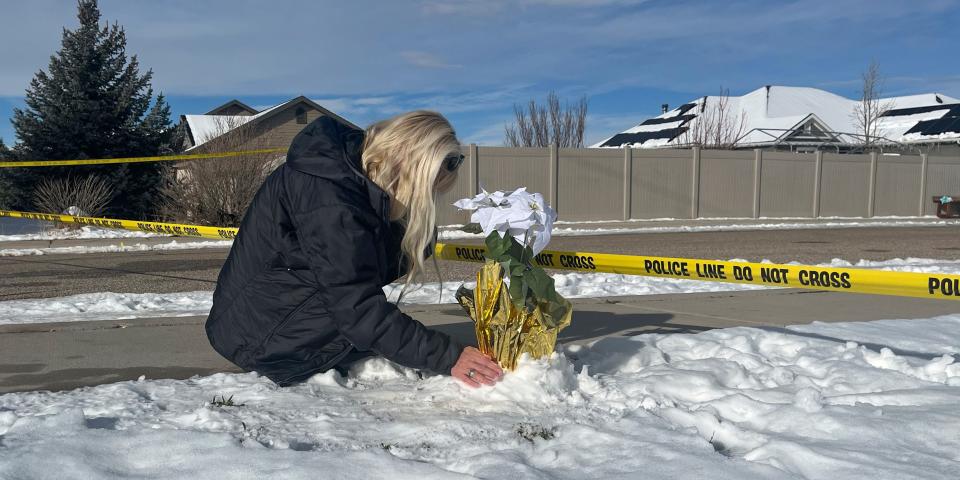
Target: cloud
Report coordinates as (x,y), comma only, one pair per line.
(426,60)
(367,109)
(479,57)
(493,7)
(584,3)
(490,135)
(219,47)
(363,109)
(471,8)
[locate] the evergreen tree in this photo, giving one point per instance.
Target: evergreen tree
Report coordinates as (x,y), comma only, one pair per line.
(93,102)
(8,190)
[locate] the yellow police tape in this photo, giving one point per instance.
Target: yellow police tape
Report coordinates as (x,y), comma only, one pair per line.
(196,231)
(904,284)
(163,158)
(855,280)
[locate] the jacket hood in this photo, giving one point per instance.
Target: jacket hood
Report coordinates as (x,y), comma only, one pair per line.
(330,149)
(327,148)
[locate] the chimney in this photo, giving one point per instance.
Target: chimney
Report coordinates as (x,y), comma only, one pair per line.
(766,103)
(664,108)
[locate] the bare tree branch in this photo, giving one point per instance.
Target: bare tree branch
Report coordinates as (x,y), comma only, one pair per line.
(218,192)
(867,112)
(716,125)
(539,125)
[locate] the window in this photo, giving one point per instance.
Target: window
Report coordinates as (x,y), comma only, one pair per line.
(301,115)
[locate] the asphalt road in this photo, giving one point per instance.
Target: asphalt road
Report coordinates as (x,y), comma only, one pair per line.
(188,270)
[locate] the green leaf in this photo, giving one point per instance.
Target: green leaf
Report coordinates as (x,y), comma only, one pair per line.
(518,293)
(472,228)
(554,312)
(528,255)
(540,283)
(516,249)
(527,282)
(497,246)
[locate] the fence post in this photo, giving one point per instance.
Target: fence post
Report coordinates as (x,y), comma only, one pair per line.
(757,180)
(872,195)
(554,167)
(473,172)
(923,182)
(817,179)
(627,182)
(695,197)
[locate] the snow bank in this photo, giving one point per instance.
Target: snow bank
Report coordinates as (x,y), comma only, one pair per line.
(117,306)
(81,233)
(137,247)
(448,234)
(105,306)
(840,401)
(579,232)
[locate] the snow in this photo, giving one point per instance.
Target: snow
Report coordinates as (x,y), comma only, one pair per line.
(840,401)
(119,306)
(784,108)
(939,136)
(655,127)
(574,232)
(88,232)
(207,127)
(137,247)
(899,124)
(79,234)
(105,306)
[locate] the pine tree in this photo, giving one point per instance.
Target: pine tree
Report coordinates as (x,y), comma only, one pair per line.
(8,189)
(93,102)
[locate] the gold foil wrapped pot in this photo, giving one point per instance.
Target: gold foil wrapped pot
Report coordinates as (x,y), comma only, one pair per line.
(515,307)
(506,328)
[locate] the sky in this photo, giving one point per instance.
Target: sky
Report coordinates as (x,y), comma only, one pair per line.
(473,60)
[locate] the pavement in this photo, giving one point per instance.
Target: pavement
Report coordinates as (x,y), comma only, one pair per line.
(60,356)
(57,356)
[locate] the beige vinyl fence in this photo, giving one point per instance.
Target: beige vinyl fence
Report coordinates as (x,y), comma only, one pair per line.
(622,184)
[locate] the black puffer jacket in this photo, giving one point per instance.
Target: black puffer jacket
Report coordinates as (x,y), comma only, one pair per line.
(302,286)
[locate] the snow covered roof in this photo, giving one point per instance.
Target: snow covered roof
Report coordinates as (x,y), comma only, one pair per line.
(770,114)
(204,128)
(933,122)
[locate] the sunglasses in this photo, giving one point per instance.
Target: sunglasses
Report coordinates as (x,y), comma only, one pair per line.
(452,162)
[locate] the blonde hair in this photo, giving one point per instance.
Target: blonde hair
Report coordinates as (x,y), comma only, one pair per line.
(404,156)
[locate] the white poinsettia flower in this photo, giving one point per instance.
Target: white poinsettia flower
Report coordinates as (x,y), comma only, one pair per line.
(521,214)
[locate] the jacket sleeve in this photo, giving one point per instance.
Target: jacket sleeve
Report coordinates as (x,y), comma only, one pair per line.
(343,251)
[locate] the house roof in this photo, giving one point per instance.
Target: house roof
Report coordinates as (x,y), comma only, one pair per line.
(203,128)
(233,103)
(771,113)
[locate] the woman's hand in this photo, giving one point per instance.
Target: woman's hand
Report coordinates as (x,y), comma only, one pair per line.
(484,370)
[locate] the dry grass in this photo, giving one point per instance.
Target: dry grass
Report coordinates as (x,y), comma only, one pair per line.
(85,196)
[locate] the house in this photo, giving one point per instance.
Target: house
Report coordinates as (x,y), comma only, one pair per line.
(800,119)
(237,126)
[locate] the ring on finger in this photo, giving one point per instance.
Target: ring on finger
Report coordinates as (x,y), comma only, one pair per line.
(471,373)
